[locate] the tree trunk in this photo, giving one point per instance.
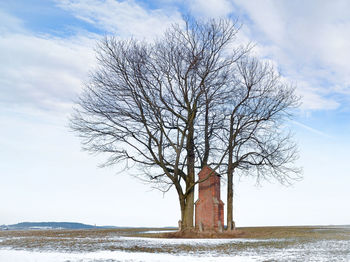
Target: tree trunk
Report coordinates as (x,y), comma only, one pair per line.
(189,196)
(187,222)
(187,208)
(206,136)
(183,215)
(230,225)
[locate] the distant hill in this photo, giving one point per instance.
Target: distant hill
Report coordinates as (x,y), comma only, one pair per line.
(50,225)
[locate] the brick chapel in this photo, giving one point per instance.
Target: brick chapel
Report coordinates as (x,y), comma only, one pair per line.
(209,209)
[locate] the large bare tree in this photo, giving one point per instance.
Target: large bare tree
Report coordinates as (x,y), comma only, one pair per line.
(190,98)
(159,105)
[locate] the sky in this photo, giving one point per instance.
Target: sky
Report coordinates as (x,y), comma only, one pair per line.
(47,51)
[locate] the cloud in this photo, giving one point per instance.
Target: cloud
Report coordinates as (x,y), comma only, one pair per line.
(210,8)
(309,40)
(47,72)
(124,18)
(43,72)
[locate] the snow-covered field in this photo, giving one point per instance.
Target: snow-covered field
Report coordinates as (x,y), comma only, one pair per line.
(65,246)
(30,256)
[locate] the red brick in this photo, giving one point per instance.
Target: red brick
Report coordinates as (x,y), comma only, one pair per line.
(209,207)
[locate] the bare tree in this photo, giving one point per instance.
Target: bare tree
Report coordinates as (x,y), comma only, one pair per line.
(187,100)
(159,105)
(254,134)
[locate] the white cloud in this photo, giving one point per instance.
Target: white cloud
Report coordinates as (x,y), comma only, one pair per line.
(125,18)
(43,72)
(210,8)
(46,72)
(312,100)
(309,40)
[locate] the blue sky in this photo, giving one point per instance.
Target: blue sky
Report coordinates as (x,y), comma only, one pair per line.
(47,51)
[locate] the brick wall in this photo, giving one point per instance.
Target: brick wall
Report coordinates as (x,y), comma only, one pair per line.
(209,209)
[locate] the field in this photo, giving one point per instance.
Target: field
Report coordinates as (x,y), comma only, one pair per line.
(330,243)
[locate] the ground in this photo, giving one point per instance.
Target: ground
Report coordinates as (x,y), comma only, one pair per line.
(331,243)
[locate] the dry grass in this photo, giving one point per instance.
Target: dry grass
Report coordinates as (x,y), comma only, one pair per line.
(312,232)
(197,234)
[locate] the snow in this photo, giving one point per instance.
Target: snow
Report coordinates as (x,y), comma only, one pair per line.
(28,256)
(324,250)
